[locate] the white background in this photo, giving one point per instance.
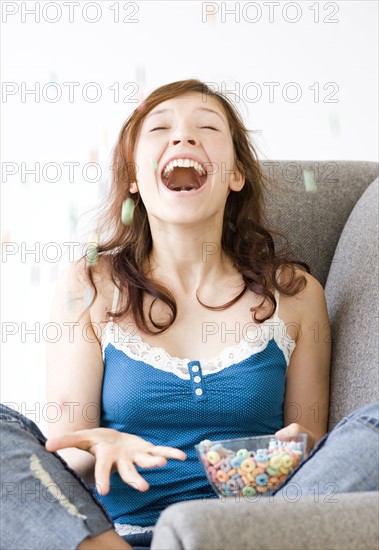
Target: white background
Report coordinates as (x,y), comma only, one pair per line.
(329,46)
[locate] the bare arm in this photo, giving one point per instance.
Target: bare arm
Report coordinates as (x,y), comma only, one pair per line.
(307,383)
(74,367)
(74,381)
(106,541)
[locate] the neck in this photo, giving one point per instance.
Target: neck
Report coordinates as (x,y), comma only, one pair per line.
(188,257)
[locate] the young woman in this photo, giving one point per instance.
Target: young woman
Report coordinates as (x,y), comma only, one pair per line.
(197,329)
(209,329)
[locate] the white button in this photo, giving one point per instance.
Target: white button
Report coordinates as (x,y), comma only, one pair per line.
(195,368)
(199,391)
(197,379)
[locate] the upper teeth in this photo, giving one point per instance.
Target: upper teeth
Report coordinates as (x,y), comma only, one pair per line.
(183,163)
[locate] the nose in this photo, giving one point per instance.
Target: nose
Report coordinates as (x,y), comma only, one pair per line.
(182,136)
(183,140)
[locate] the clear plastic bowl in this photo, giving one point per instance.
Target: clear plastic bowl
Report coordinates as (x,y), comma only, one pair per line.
(250,466)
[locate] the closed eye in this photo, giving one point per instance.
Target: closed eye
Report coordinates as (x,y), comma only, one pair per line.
(164,128)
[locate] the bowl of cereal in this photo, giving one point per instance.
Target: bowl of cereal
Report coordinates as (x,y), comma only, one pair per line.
(252,465)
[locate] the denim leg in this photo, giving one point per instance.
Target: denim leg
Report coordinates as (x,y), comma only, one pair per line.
(139,541)
(344,460)
(44,504)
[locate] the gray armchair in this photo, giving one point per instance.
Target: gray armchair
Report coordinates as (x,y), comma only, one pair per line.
(334,230)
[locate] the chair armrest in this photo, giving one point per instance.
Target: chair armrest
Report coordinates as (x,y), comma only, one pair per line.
(346,521)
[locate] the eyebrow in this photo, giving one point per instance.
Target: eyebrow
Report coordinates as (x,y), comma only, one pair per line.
(197,109)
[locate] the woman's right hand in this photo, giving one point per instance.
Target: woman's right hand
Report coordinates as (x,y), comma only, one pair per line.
(118,451)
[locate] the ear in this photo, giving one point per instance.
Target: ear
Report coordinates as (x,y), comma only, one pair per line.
(133,187)
(237,181)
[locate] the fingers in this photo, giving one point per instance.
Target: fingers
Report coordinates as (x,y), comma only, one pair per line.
(167,452)
(80,440)
(102,472)
(153,458)
(144,460)
(108,455)
(129,474)
(290,430)
(296,429)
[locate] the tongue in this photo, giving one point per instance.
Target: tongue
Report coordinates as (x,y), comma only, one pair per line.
(184,177)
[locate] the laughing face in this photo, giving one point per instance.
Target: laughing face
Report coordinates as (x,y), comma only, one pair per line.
(185,159)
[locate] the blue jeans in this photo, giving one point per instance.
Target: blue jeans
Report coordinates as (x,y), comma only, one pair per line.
(141,541)
(46,505)
(344,461)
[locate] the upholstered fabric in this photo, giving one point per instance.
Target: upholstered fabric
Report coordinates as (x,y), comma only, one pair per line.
(270,524)
(352,295)
(313,222)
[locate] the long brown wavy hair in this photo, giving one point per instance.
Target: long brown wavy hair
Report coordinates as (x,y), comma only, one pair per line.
(245,237)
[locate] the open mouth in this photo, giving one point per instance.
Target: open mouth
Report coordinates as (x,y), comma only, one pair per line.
(184,175)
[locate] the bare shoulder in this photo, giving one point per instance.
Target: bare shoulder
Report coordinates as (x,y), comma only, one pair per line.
(101,273)
(310,302)
(70,290)
(75,274)
(312,285)
(313,289)
(310,298)
(74,286)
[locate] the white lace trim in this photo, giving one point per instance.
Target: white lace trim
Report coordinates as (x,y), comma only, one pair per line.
(126,529)
(252,342)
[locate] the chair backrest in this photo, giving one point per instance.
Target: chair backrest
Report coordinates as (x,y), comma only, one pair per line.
(313,221)
(335,230)
(352,294)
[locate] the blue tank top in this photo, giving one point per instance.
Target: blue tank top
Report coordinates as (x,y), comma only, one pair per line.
(180,402)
